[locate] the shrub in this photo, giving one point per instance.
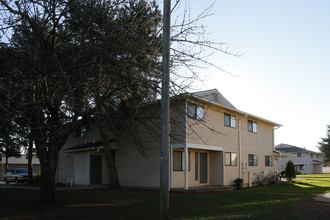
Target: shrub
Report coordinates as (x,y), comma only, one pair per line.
(262,179)
(281,175)
(238,183)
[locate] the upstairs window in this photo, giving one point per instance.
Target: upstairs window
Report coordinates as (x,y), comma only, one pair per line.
(268,161)
(253,160)
(300,155)
(196,112)
(230,120)
(83,131)
(252,126)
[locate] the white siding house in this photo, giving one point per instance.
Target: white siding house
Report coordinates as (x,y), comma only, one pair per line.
(305,161)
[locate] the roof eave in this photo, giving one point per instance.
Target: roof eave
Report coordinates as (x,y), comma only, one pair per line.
(239,111)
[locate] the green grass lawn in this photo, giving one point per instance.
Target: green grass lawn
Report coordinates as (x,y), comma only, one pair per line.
(303,184)
(276,201)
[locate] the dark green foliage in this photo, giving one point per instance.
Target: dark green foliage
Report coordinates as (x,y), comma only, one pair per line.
(238,183)
(290,172)
(281,175)
(65,62)
(324,146)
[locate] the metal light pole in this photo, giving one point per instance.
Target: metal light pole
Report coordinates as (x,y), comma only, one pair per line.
(165,114)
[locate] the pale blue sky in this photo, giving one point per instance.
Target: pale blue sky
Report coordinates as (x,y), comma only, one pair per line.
(284,74)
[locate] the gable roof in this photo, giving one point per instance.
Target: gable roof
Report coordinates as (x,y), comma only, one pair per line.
(292,149)
(214,95)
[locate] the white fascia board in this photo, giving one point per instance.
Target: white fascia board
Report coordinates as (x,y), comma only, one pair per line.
(198,146)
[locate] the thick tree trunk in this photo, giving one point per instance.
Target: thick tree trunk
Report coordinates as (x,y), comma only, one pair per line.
(30,171)
(48,156)
(47,188)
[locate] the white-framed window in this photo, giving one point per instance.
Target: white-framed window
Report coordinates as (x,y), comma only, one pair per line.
(268,161)
(252,126)
(83,131)
(178,160)
(230,120)
(231,159)
(253,160)
(300,155)
(196,112)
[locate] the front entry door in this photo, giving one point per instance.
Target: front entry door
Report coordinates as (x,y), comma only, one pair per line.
(203,167)
(95,169)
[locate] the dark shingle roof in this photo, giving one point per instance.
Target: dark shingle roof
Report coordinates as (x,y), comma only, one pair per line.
(292,149)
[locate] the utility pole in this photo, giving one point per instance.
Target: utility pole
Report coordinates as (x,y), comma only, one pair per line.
(165,114)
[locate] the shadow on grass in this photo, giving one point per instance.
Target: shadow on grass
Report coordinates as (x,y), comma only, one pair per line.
(138,204)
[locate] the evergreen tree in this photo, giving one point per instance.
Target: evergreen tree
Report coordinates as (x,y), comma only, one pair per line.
(324,146)
(290,172)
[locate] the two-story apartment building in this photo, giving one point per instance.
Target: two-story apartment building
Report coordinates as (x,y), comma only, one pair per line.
(212,143)
(305,161)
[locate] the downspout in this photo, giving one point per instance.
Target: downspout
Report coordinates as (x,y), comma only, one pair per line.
(275,168)
(240,145)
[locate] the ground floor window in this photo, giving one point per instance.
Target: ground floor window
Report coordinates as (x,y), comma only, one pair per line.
(178,160)
(253,160)
(231,159)
(268,161)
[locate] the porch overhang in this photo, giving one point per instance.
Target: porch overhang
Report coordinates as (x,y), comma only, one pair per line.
(278,154)
(187,146)
(84,147)
(197,146)
(317,162)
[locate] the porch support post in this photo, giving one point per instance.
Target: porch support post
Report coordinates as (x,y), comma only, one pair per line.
(223,168)
(186,167)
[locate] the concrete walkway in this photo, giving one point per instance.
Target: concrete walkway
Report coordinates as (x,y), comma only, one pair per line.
(325,197)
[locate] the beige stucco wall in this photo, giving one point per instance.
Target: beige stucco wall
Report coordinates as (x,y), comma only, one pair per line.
(177,180)
(214,133)
(135,170)
(216,168)
(214,174)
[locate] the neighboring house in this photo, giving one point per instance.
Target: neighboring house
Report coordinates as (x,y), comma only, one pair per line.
(305,161)
(212,143)
(18,162)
